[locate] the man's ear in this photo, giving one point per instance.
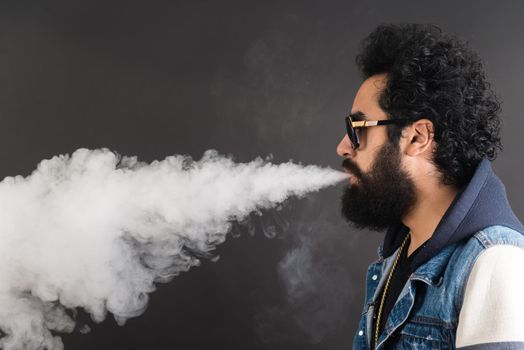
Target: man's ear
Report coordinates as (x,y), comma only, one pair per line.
(419,137)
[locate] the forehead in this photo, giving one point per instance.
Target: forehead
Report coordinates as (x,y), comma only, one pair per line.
(366,99)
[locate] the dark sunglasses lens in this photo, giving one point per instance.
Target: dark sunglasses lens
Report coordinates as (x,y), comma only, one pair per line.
(353,137)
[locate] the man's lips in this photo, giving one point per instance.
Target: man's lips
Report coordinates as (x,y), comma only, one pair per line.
(351,177)
(348,166)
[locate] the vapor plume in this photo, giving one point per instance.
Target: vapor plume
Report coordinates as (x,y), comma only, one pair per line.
(96,231)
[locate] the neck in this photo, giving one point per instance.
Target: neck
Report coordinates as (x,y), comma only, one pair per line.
(433,199)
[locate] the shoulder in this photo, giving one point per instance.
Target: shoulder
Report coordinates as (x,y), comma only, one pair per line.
(497,235)
(469,250)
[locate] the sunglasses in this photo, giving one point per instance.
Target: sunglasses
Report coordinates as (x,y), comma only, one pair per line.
(354,127)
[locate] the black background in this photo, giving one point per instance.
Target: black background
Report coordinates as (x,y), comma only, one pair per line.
(247,78)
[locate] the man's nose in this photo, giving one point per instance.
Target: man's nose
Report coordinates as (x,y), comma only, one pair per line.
(344,148)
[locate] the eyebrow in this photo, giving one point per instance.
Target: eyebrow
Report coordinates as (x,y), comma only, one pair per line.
(358,116)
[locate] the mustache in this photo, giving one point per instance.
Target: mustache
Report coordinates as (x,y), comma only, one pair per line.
(353,168)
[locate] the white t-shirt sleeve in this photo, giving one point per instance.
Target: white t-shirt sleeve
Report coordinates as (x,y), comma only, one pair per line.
(492,315)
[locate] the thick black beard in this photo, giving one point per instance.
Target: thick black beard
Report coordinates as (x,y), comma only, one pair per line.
(383,196)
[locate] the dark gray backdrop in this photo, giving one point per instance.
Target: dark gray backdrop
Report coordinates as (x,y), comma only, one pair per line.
(249,78)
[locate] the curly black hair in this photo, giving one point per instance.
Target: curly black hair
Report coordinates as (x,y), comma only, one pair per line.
(434,75)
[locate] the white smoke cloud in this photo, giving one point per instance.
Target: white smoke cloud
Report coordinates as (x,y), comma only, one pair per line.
(96,231)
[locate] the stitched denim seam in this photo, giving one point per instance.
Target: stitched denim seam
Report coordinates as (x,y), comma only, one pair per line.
(462,286)
(424,320)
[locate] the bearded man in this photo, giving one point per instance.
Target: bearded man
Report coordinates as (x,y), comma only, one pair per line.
(422,132)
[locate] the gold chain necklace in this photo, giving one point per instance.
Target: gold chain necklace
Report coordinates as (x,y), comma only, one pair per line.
(383,299)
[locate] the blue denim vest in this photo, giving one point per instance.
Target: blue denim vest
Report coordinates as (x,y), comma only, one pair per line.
(427,310)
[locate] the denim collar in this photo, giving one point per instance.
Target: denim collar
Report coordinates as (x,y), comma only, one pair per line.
(481,203)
